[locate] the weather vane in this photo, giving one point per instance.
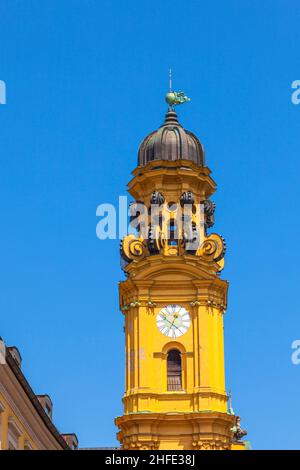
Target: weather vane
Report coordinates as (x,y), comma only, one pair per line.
(174,98)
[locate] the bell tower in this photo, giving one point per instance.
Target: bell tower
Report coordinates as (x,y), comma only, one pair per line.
(173,301)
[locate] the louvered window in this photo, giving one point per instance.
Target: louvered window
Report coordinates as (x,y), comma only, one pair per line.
(174,370)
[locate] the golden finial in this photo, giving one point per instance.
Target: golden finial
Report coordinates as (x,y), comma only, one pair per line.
(174,98)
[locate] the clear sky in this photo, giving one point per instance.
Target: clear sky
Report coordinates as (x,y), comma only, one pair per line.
(85,83)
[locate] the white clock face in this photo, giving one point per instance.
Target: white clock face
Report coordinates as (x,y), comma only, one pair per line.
(173,321)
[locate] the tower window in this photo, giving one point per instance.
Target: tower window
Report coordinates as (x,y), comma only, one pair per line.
(174,370)
(173,233)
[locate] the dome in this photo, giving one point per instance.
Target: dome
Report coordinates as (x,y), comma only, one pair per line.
(171,142)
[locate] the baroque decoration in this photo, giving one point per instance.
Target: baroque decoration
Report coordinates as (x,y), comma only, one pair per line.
(173,301)
(188,239)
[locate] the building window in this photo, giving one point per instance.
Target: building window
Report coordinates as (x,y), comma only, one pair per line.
(12,440)
(174,370)
(14,432)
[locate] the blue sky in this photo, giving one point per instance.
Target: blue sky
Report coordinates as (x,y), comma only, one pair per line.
(85,83)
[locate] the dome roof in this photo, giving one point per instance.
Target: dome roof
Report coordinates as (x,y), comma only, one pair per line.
(171,142)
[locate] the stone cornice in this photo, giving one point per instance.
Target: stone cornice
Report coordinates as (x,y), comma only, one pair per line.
(179,416)
(181,173)
(193,266)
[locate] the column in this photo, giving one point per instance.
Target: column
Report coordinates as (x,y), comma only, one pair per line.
(4,429)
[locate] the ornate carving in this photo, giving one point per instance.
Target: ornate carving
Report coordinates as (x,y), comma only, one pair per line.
(129,443)
(238,432)
(187,198)
(213,246)
(209,212)
(195,303)
(171,239)
(156,239)
(206,444)
(132,248)
(157,198)
(135,303)
(136,248)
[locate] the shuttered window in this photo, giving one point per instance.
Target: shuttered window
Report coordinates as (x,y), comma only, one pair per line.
(174,370)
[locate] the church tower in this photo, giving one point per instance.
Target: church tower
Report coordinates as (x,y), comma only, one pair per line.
(173,301)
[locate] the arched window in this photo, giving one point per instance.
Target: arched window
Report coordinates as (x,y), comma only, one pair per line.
(174,370)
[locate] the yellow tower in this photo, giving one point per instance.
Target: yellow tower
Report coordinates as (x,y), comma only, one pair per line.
(173,301)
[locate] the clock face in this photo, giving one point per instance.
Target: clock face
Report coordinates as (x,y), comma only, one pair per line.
(173,321)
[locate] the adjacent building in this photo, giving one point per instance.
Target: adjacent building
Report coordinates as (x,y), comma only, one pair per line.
(26,418)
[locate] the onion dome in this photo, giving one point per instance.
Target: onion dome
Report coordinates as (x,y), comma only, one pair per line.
(171,142)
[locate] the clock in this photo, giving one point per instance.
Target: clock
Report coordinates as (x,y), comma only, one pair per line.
(173,321)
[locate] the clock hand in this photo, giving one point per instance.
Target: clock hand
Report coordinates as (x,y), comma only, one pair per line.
(165,317)
(177,327)
(171,325)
